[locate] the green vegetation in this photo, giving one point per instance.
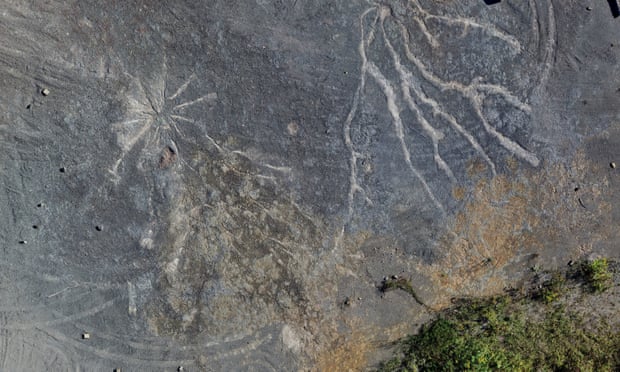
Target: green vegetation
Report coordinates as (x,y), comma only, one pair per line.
(597,275)
(495,334)
(550,290)
(531,329)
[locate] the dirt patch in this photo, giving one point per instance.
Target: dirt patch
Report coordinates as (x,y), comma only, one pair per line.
(348,353)
(239,254)
(559,212)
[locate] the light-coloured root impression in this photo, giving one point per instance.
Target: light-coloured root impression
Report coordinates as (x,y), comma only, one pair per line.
(408,93)
(154,119)
(466,24)
(394,110)
(475,93)
(407,84)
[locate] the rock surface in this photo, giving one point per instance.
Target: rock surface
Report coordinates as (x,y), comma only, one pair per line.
(222,185)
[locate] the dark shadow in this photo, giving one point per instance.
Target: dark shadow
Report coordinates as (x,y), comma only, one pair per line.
(491,2)
(613,5)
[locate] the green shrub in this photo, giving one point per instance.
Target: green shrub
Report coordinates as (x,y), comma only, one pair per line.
(597,274)
(551,289)
(498,335)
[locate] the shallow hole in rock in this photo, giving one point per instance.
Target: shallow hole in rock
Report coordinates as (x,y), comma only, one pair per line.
(168,157)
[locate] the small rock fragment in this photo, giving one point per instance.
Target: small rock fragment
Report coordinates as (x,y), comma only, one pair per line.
(45,92)
(612,165)
(588,8)
(85,336)
(23,242)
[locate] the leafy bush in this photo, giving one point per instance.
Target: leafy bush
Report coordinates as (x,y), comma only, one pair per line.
(498,334)
(597,274)
(548,287)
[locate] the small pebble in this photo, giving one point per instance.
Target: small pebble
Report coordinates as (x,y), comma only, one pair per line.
(612,165)
(394,276)
(359,298)
(180,369)
(45,92)
(588,8)
(117,370)
(23,242)
(85,336)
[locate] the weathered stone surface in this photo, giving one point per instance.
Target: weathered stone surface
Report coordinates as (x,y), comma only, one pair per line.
(222,185)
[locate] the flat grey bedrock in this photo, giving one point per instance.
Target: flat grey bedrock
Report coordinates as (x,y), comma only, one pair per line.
(222,185)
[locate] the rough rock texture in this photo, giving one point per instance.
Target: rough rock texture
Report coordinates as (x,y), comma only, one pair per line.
(223,185)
